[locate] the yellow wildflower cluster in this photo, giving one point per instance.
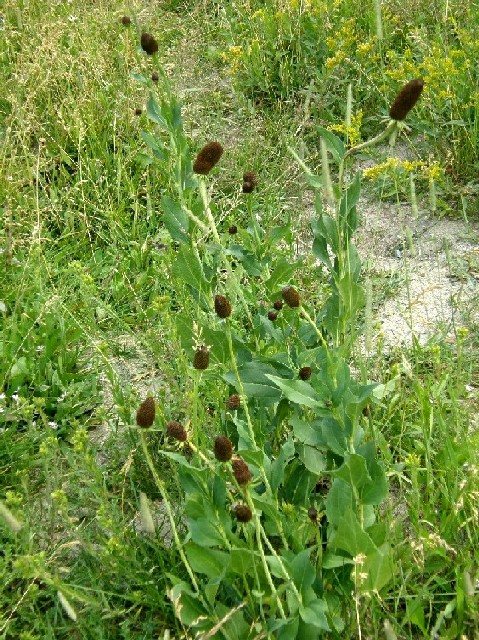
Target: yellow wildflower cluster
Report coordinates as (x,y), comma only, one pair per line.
(233,57)
(430,170)
(353,132)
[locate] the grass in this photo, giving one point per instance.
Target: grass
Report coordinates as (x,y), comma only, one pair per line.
(103,300)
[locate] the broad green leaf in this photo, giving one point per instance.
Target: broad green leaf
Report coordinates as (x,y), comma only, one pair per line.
(302,570)
(175,219)
(297,391)
(351,195)
(340,499)
(157,148)
(315,614)
(351,537)
(354,471)
(279,465)
(205,532)
(188,268)
(186,604)
(307,432)
(379,567)
(282,272)
(242,560)
(154,114)
(177,457)
(334,144)
(211,562)
(332,561)
(288,629)
(334,435)
(313,459)
(139,77)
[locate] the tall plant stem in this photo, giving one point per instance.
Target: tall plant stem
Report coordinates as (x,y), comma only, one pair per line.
(164,494)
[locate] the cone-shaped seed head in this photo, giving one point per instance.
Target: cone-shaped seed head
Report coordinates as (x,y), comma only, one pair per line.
(223,448)
(312,514)
(201,359)
(243,513)
(176,430)
(145,416)
(155,77)
(148,43)
(126,20)
(222,307)
(207,158)
(232,230)
(406,99)
(241,471)
(233,402)
(250,181)
(278,305)
(291,297)
(305,373)
(272,315)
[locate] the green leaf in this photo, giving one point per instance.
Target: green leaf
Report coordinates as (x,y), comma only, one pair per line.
(334,435)
(157,148)
(307,432)
(139,77)
(302,571)
(313,459)
(350,536)
(351,196)
(205,533)
(176,220)
(288,629)
(177,457)
(211,562)
(379,567)
(279,465)
(188,268)
(297,391)
(340,499)
(154,114)
(315,614)
(186,604)
(242,560)
(332,561)
(354,471)
(333,143)
(282,273)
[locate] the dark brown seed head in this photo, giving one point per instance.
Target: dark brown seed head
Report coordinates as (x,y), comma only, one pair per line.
(126,20)
(148,43)
(233,230)
(145,416)
(207,158)
(312,514)
(138,111)
(291,297)
(250,181)
(176,430)
(222,306)
(305,373)
(243,513)
(201,359)
(155,77)
(406,99)
(272,315)
(233,402)
(241,471)
(223,449)
(278,305)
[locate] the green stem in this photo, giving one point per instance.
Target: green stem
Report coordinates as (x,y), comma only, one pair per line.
(164,495)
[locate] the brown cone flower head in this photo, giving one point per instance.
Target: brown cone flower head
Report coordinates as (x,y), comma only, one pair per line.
(312,514)
(176,430)
(201,359)
(305,373)
(222,306)
(145,416)
(155,77)
(223,449)
(406,99)
(232,230)
(291,297)
(207,158)
(250,181)
(278,305)
(272,315)
(233,402)
(243,513)
(241,471)
(126,20)
(148,43)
